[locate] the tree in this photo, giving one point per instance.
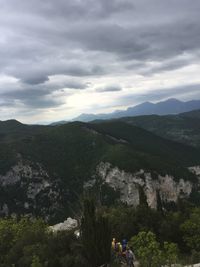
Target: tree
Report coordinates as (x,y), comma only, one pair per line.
(95,235)
(147,249)
(191,230)
(29,239)
(170,254)
(7,234)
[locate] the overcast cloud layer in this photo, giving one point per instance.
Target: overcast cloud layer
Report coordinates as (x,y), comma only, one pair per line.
(61,58)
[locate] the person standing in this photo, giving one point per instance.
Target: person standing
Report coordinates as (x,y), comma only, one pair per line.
(130,257)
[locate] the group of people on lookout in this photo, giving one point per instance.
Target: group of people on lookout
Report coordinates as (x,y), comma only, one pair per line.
(122,250)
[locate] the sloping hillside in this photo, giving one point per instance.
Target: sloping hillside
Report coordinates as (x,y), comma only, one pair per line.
(43,169)
(184,128)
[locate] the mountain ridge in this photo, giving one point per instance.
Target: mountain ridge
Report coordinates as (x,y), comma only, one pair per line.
(183,127)
(169,106)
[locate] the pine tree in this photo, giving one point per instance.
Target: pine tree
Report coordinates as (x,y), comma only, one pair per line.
(96,236)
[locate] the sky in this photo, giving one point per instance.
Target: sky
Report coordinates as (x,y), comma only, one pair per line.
(61,58)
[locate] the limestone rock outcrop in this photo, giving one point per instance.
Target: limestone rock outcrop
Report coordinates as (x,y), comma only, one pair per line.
(28,189)
(129,185)
(67,225)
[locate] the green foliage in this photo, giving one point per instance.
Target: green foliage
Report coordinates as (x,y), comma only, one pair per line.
(128,221)
(149,252)
(169,254)
(195,256)
(137,149)
(95,235)
(195,196)
(28,243)
(166,225)
(191,230)
(7,235)
(147,249)
(183,128)
(7,157)
(36,262)
(109,196)
(157,238)
(28,238)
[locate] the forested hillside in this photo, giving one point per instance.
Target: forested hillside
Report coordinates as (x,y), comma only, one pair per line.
(183,128)
(44,168)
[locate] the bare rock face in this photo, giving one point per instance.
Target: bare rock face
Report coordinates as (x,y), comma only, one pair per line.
(130,184)
(28,189)
(126,183)
(68,225)
(195,170)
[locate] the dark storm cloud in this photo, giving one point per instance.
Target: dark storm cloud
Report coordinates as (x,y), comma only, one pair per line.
(39,96)
(73,85)
(110,88)
(6,103)
(74,9)
(111,39)
(85,38)
(166,66)
(42,30)
(31,98)
(40,72)
(35,80)
(159,39)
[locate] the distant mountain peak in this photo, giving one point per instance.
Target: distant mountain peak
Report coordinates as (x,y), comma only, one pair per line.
(172,100)
(165,107)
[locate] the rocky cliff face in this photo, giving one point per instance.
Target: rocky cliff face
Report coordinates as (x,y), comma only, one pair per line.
(67,225)
(27,189)
(130,185)
(195,170)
